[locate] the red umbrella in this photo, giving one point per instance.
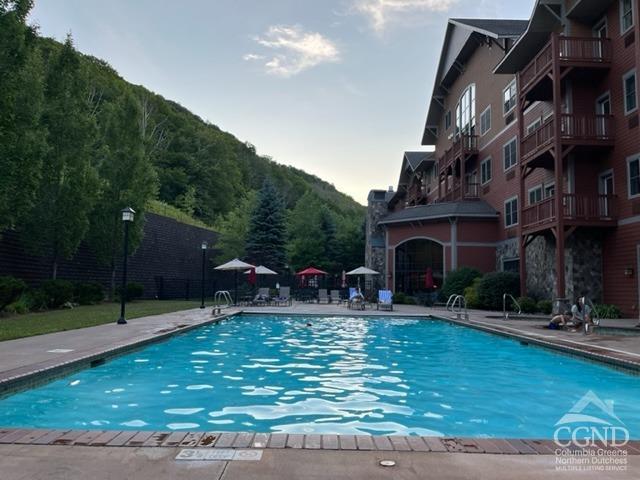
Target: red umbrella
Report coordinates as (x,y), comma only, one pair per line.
(311,271)
(428,279)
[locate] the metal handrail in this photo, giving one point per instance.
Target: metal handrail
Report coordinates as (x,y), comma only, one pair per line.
(220,297)
(505,314)
(460,302)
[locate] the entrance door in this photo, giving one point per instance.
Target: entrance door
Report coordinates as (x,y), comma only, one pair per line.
(603,108)
(605,188)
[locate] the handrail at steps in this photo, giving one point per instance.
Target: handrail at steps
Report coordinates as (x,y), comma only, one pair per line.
(218,299)
(505,314)
(461,303)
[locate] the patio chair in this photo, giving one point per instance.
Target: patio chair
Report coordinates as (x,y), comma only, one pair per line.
(262,298)
(356,300)
(385,300)
(284,297)
(335,297)
(322,295)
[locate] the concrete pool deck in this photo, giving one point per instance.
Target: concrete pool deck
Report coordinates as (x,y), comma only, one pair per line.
(63,453)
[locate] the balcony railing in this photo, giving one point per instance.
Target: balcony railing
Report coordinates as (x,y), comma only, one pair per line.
(463,145)
(471,192)
(574,129)
(594,209)
(580,51)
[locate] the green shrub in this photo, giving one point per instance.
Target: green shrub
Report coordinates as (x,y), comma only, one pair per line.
(56,293)
(20,306)
(607,311)
(399,298)
(410,301)
(545,306)
(458,280)
(10,290)
(493,285)
(134,291)
(88,293)
(471,294)
(527,305)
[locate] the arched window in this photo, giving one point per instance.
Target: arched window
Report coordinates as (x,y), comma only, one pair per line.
(412,259)
(466,112)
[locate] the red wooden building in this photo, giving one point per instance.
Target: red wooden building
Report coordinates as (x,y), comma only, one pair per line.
(536,161)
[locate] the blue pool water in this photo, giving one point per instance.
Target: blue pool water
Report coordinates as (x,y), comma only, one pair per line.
(339,375)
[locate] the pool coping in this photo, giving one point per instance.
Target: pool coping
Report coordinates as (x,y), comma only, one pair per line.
(32,375)
(244,440)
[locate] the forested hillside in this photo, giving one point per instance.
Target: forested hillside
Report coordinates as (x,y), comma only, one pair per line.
(78,143)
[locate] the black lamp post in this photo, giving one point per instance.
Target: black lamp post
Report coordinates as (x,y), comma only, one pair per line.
(204,259)
(127,217)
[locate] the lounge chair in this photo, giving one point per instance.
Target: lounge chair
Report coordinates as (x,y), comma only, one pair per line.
(262,298)
(385,300)
(284,297)
(356,299)
(335,297)
(322,295)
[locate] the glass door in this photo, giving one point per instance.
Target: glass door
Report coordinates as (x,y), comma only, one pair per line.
(603,110)
(606,192)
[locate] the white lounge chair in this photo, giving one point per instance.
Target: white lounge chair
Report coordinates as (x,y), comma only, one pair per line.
(385,300)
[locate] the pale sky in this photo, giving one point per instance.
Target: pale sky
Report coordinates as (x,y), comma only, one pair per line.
(338,88)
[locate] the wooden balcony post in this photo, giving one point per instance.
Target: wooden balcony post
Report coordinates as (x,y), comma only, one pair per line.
(559,159)
(522,249)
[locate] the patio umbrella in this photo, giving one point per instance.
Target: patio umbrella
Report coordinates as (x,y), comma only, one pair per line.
(344,279)
(362,271)
(236,265)
(308,272)
(259,270)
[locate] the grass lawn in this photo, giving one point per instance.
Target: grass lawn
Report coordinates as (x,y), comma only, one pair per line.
(18,326)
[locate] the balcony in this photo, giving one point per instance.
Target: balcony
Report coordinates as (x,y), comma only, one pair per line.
(463,146)
(589,130)
(578,210)
(582,52)
(455,194)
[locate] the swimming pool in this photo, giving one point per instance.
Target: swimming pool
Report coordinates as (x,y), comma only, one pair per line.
(344,375)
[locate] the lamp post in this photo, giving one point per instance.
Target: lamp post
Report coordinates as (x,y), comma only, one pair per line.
(127,217)
(204,259)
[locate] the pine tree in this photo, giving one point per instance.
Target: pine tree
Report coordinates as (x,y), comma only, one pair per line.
(330,246)
(266,238)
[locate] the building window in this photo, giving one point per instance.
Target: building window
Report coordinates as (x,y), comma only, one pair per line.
(447,120)
(626,15)
(630,92)
(485,120)
(511,212)
(549,190)
(511,265)
(510,154)
(534,126)
(509,98)
(485,171)
(633,166)
(535,195)
(466,112)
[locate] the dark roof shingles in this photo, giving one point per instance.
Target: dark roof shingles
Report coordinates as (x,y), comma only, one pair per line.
(442,210)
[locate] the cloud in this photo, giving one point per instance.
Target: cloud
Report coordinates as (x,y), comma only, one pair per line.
(382,12)
(294,50)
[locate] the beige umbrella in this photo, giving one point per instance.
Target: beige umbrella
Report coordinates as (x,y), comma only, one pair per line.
(236,265)
(362,271)
(261,270)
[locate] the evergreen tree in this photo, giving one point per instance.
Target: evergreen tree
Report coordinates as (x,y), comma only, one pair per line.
(22,136)
(330,261)
(233,229)
(266,237)
(127,179)
(306,238)
(60,216)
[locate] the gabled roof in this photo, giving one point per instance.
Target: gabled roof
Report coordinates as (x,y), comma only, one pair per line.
(413,162)
(462,38)
(436,211)
(544,19)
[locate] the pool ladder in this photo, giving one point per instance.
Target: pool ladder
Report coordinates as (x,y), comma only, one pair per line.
(219,299)
(505,297)
(456,304)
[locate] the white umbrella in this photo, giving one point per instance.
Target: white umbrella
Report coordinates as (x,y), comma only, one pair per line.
(362,271)
(262,270)
(236,264)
